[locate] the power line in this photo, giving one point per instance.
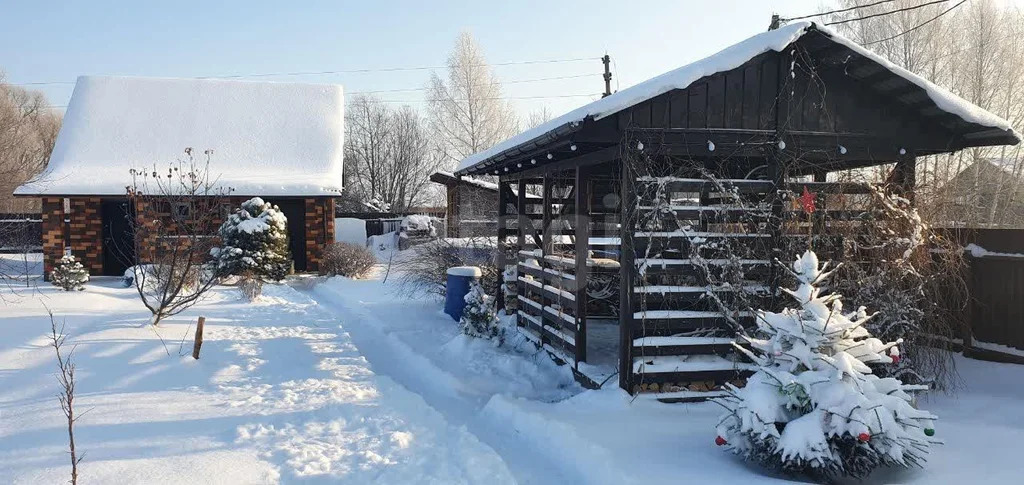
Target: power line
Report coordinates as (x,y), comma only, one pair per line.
(519,81)
(347,71)
(830,12)
(890,12)
(459,100)
(918,26)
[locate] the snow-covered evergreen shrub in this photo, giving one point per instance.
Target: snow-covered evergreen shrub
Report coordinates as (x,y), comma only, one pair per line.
(254,243)
(814,406)
(69,274)
(478,318)
(510,288)
(346,259)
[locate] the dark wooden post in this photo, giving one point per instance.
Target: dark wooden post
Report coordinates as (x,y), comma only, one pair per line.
(627,210)
(524,220)
(546,239)
(503,192)
(582,223)
(819,203)
(906,167)
(198,343)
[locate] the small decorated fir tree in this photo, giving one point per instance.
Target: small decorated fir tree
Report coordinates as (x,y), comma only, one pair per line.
(69,274)
(254,243)
(478,318)
(814,406)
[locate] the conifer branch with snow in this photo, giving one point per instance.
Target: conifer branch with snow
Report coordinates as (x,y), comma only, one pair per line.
(814,406)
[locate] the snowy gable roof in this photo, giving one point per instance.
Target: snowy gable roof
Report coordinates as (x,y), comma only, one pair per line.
(730,58)
(273,139)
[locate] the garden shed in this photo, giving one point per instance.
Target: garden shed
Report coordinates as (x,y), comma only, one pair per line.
(663,206)
(279,141)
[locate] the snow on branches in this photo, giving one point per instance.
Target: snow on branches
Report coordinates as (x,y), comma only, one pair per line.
(814,406)
(254,243)
(478,317)
(69,274)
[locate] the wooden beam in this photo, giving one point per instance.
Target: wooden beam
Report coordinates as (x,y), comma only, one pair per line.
(626,271)
(504,191)
(546,240)
(600,156)
(582,212)
(523,221)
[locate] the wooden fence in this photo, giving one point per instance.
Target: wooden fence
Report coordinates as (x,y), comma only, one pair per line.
(20,233)
(996,307)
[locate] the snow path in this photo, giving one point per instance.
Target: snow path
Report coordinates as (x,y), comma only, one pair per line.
(281,394)
(386,334)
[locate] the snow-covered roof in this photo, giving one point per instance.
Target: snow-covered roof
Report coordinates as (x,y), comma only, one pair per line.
(725,60)
(272,139)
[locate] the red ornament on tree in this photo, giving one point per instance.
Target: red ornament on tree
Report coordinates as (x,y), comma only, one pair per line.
(864,437)
(720,441)
(895,359)
(807,201)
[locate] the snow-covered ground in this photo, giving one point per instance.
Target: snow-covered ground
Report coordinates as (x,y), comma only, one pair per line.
(349,381)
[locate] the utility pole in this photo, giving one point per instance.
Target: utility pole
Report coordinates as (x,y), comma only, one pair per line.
(607,61)
(775,22)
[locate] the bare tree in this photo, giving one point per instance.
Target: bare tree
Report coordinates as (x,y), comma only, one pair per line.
(28,129)
(390,154)
(538,117)
(984,65)
(467,111)
(66,378)
(177,214)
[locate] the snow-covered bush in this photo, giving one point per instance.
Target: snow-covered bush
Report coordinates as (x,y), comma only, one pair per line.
(814,406)
(254,243)
(346,259)
(478,318)
(423,269)
(69,274)
(914,278)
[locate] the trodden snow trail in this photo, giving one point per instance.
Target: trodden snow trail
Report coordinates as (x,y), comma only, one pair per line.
(374,322)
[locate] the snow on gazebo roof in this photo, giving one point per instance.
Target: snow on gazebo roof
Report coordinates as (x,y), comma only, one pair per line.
(270,139)
(725,60)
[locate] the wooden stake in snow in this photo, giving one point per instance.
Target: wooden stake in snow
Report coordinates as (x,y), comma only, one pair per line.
(199,338)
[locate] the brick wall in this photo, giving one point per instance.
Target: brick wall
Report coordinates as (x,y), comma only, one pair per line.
(319,229)
(86,231)
(53,232)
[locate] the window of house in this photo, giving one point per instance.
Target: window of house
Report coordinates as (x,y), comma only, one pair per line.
(181,210)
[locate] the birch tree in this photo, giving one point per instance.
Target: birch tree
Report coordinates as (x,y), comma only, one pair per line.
(466,108)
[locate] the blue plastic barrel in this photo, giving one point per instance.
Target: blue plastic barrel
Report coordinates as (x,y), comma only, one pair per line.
(457,288)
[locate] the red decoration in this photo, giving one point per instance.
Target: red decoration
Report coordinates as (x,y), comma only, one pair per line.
(807,201)
(895,359)
(720,441)
(864,437)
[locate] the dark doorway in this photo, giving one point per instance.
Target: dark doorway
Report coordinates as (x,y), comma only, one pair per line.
(118,238)
(295,211)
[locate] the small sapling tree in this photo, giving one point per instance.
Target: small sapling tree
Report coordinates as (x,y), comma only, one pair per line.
(814,405)
(174,227)
(66,378)
(478,317)
(69,274)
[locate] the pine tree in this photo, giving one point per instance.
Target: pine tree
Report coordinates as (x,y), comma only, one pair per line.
(254,243)
(814,406)
(478,318)
(69,274)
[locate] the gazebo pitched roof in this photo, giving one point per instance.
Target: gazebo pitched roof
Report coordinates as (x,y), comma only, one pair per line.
(972,124)
(274,139)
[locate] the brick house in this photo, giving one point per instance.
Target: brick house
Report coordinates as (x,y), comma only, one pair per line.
(279,141)
(472,205)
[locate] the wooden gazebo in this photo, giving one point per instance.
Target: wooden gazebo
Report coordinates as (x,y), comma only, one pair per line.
(649,195)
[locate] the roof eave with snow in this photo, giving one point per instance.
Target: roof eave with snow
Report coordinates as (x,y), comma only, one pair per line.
(268,139)
(725,60)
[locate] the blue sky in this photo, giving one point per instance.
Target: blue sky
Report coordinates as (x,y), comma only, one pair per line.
(44,41)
